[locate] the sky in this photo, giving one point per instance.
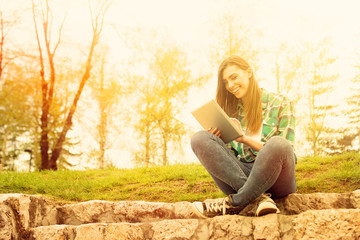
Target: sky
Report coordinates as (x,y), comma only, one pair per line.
(189,23)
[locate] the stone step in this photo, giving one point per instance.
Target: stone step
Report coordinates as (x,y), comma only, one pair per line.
(21,216)
(315,224)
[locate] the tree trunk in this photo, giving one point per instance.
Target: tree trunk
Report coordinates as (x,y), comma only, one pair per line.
(314,147)
(102,129)
(68,122)
(102,125)
(3,157)
(147,146)
(97,25)
(44,140)
(67,125)
(165,160)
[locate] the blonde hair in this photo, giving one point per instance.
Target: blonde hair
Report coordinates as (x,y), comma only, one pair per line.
(251,101)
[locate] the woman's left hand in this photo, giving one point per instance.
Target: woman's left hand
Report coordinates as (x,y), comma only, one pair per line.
(215,131)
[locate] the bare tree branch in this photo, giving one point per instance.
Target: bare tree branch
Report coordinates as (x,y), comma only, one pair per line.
(97,28)
(38,43)
(60,30)
(3,33)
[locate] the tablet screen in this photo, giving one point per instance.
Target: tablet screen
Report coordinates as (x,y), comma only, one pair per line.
(211,115)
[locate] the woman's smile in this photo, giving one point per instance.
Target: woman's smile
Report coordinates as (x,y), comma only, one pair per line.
(236,90)
(236,80)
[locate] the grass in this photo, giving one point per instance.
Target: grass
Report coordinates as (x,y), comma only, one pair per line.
(340,173)
(172,183)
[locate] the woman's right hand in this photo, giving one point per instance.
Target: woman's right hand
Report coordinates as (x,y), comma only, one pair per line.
(238,125)
(215,131)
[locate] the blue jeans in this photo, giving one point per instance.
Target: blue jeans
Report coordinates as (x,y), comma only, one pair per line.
(273,170)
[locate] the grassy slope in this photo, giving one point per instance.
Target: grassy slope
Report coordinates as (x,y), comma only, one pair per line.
(172,183)
(339,173)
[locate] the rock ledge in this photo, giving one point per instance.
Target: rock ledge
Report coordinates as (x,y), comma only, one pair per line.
(303,216)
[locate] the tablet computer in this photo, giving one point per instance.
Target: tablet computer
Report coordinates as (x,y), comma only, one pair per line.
(211,115)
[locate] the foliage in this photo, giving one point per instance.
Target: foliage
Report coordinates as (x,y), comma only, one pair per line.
(233,36)
(311,69)
(287,72)
(339,173)
(16,111)
(159,91)
(339,140)
(160,101)
(14,93)
(20,105)
(7,54)
(146,149)
(353,111)
(171,90)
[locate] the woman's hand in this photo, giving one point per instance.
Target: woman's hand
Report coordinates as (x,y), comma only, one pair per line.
(214,131)
(238,125)
(256,145)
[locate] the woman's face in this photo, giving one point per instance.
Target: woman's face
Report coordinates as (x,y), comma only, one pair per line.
(236,80)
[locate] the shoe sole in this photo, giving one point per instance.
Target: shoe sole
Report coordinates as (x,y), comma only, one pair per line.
(267,208)
(197,206)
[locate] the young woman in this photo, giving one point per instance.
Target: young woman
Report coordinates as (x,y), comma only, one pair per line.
(259,163)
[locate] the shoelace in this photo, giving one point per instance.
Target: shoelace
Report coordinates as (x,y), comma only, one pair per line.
(217,206)
(267,197)
(268,194)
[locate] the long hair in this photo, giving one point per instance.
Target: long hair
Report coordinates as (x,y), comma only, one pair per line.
(251,101)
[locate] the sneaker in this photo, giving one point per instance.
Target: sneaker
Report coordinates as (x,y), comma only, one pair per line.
(266,205)
(216,207)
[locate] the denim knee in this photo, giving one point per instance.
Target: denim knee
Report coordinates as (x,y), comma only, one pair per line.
(199,138)
(279,144)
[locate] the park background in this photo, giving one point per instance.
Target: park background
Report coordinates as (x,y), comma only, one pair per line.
(154,62)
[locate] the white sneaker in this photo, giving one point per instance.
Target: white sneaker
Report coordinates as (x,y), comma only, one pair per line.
(266,205)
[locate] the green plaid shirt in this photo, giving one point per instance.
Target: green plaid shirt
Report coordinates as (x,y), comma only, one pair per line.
(279,120)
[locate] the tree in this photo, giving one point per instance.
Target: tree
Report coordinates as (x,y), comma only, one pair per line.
(171,88)
(159,80)
(6,124)
(139,87)
(162,97)
(285,63)
(107,92)
(338,140)
(306,77)
(15,110)
(288,72)
(353,101)
(48,75)
(66,82)
(313,70)
(342,139)
(146,149)
(5,27)
(233,36)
